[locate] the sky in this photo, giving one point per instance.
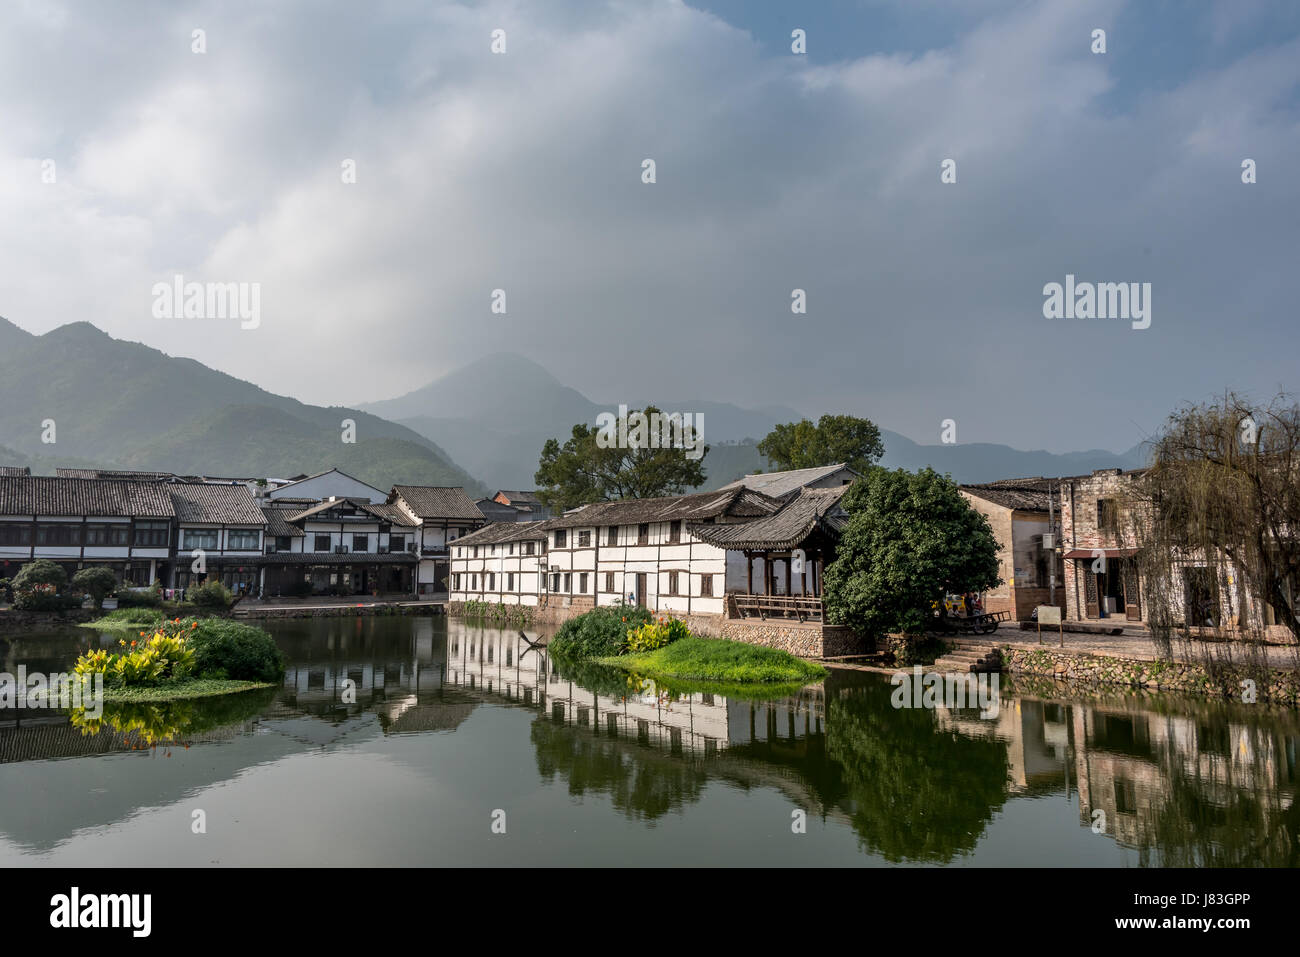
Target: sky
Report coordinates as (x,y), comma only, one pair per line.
(128,158)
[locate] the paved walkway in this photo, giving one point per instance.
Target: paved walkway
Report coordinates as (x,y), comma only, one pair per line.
(252,607)
(1136,645)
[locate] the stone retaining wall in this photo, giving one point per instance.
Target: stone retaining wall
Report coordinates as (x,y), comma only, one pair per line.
(1277,685)
(333,611)
(11,619)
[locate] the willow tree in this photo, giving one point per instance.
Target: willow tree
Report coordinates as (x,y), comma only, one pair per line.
(1222,496)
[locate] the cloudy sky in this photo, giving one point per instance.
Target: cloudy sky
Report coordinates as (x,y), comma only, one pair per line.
(522,171)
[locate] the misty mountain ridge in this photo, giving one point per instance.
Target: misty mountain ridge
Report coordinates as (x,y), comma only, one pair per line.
(494,415)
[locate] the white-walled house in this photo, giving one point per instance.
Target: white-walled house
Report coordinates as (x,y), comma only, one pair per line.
(326,485)
(340,546)
(124,525)
(501,563)
(219,535)
(442,514)
(639,551)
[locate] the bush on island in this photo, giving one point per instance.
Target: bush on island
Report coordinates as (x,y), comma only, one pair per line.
(599,633)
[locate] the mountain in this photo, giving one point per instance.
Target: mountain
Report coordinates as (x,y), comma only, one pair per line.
(494,415)
(121,404)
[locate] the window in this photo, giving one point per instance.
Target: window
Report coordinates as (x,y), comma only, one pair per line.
(321,543)
(205,538)
(584,539)
(561,536)
(528,548)
(675,531)
(241,539)
(512,548)
(455,581)
(672,583)
(360,542)
(609,582)
(104,534)
(151,534)
(476,551)
(510,581)
(555,582)
(492,581)
(283,543)
(582,583)
(1107,514)
(568,583)
(15,534)
(613,535)
(643,534)
(706,586)
(396,543)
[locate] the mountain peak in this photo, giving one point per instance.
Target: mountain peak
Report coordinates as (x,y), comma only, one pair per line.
(81,331)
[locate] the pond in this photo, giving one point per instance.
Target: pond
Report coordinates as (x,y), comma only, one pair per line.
(435,741)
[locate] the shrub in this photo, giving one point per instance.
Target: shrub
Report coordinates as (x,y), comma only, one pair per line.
(148,597)
(97,582)
(210,595)
(599,633)
(130,617)
(41,598)
(6,590)
(654,635)
(40,572)
(230,649)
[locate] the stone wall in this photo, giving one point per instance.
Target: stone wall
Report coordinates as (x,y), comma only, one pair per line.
(1276,685)
(11,619)
(336,611)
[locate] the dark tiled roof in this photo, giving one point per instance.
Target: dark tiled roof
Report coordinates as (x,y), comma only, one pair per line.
(277,527)
(810,509)
(359,504)
(431,501)
(499,532)
(45,495)
(519,498)
(114,474)
(1023,494)
(781,484)
(390,513)
(15,471)
(737,503)
(215,504)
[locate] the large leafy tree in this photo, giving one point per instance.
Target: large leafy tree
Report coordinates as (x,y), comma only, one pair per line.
(589,468)
(96,581)
(911,538)
(834,439)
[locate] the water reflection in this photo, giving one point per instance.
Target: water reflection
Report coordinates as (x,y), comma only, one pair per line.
(1149,780)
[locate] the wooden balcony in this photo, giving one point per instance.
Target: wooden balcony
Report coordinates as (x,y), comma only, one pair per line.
(785,607)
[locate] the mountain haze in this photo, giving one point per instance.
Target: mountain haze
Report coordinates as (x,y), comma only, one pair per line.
(494,415)
(121,404)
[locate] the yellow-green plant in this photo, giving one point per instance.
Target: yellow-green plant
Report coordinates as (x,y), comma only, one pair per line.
(164,655)
(654,635)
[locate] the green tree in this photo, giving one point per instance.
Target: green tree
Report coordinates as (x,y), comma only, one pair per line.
(96,581)
(595,465)
(40,572)
(834,439)
(911,538)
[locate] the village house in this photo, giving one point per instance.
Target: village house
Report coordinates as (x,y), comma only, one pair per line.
(331,483)
(528,507)
(1021,513)
(124,525)
(441,514)
(219,536)
(341,546)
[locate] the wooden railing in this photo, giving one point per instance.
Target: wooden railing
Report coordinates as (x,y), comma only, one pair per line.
(778,606)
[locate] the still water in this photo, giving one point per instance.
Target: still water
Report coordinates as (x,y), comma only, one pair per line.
(464,746)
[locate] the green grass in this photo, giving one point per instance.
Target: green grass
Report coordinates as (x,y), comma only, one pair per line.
(126,619)
(718,660)
(181,690)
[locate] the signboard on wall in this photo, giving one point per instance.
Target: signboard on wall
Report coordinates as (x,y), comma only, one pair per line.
(1049,615)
